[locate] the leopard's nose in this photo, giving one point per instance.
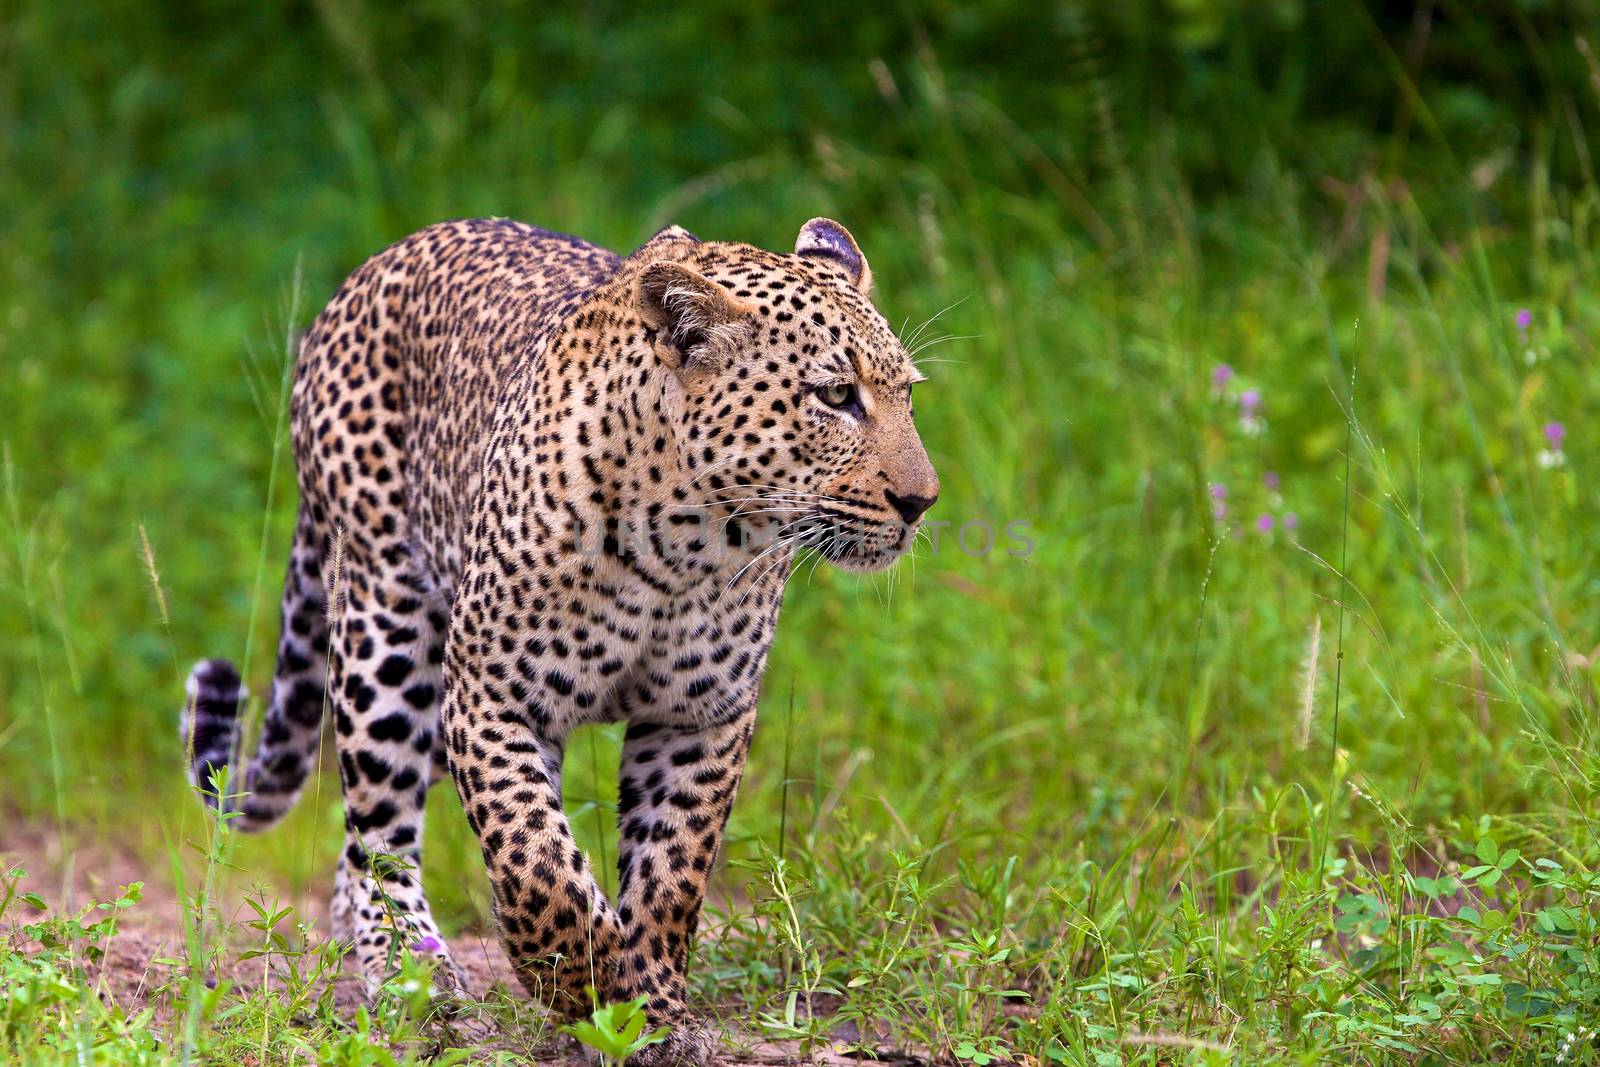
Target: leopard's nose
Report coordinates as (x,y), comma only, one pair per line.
(909,507)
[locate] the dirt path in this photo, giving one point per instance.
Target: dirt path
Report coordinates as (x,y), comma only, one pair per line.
(152,931)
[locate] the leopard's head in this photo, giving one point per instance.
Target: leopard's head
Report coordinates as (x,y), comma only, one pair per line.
(789,393)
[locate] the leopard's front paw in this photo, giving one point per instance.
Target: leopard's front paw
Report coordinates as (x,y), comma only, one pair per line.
(689,1044)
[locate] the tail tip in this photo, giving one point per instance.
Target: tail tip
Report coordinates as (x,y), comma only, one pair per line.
(216,682)
(210,717)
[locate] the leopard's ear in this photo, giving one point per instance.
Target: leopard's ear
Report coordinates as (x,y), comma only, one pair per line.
(698,323)
(826,239)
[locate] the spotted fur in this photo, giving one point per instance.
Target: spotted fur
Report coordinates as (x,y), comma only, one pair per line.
(542,485)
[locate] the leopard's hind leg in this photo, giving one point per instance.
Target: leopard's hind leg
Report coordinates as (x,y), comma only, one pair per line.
(386,658)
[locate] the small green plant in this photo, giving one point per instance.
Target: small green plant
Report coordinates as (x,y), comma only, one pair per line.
(367,1045)
(51,1008)
(615,1031)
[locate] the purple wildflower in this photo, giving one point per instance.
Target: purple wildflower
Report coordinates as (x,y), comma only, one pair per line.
(1221,375)
(1291,521)
(1555,434)
(429,944)
(1219,491)
(1264,523)
(1250,421)
(1270,480)
(1524,319)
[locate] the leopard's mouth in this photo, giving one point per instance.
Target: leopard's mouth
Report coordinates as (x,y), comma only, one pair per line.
(855,543)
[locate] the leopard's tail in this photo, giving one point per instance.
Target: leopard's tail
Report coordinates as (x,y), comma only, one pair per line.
(291,732)
(210,728)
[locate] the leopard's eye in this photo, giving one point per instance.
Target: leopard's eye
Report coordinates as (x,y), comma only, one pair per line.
(840,395)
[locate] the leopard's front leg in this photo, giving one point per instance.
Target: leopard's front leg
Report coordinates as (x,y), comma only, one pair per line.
(552,918)
(677,787)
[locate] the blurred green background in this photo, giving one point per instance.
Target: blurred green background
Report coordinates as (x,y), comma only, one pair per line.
(1107,203)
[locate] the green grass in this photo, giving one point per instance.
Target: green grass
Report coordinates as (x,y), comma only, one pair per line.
(1165,789)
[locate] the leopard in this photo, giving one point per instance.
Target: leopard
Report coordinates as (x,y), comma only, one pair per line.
(543,485)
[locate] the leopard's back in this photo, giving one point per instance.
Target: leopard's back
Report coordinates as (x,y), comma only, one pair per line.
(398,379)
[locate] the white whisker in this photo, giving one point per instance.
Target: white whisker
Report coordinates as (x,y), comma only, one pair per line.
(786,540)
(761,578)
(912,340)
(932,341)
